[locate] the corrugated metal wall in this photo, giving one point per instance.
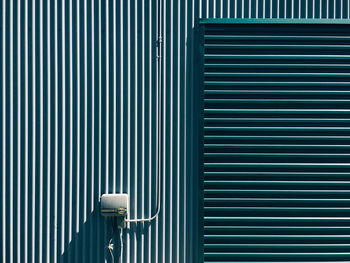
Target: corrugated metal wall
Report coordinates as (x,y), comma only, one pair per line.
(78,118)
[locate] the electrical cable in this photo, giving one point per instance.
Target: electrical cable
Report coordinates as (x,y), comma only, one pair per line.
(121,242)
(110,245)
(159,122)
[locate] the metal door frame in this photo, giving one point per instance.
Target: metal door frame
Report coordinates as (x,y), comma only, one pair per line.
(199,87)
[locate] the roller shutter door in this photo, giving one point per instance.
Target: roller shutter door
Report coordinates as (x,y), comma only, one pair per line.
(276,142)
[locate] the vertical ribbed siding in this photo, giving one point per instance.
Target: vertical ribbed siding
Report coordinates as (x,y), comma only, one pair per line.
(78,118)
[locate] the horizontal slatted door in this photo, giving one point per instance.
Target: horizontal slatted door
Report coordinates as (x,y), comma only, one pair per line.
(277,143)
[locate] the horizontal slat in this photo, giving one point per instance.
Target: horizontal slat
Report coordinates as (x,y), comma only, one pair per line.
(313,183)
(224,254)
(259,220)
(275,227)
(281,46)
(310,237)
(322,246)
(275,137)
(276,202)
(276,156)
(286,111)
(279,200)
(280,120)
(276,37)
(275,146)
(275,56)
(279,209)
(345,165)
(289,174)
(235,261)
(257,129)
(276,171)
(287,248)
(273,193)
(276,230)
(323,155)
(288,191)
(277,212)
(276,74)
(278,84)
(328,101)
(275,65)
(287,256)
(287,219)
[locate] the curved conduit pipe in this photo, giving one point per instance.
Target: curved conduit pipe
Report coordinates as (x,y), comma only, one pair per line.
(160,119)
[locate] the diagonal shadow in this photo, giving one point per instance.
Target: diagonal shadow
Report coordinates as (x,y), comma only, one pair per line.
(95,235)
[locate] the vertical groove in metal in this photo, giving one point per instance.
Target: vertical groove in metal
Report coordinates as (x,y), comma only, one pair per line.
(92,228)
(3,130)
(19,150)
(79,112)
(11,175)
(41,133)
(71,139)
(3,133)
(33,156)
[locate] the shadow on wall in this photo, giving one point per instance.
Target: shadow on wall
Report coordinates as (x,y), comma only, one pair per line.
(91,243)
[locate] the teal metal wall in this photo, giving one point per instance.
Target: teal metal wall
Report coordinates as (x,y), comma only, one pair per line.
(78,115)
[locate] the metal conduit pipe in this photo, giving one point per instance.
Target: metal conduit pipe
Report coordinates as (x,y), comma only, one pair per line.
(160,118)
